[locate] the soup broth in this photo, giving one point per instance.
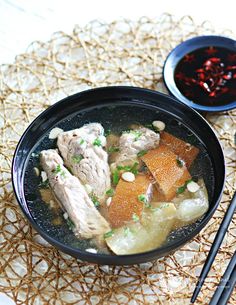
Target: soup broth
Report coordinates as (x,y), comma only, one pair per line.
(141,212)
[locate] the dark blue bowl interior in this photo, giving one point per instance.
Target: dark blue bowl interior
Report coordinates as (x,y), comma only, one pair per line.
(114,107)
(187,47)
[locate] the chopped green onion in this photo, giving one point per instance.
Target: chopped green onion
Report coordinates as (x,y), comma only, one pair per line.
(137,134)
(126,131)
(142,153)
(113,149)
(70,223)
(133,169)
(107,133)
(119,167)
(150,126)
(109,234)
(63,174)
(77,158)
(135,217)
(81,141)
(115,177)
(182,188)
(95,200)
(126,168)
(96,203)
(44,184)
(127,231)
(180,163)
(143,198)
(97,142)
(153,128)
(110,192)
(155,209)
(164,205)
(57,169)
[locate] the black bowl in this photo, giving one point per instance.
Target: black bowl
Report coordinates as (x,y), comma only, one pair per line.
(119,105)
(178,53)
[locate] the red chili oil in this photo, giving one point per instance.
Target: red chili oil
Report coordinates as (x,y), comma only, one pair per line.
(207,76)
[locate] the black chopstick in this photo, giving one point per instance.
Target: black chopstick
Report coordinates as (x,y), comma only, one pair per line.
(225,284)
(228,291)
(215,246)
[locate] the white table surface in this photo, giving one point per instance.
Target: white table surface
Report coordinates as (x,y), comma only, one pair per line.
(23,21)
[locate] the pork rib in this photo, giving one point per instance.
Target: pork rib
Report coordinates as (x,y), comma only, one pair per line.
(72,196)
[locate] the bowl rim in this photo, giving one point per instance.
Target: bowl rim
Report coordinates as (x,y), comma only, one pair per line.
(107,258)
(185,47)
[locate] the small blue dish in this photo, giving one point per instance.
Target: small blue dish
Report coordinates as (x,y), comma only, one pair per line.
(212,97)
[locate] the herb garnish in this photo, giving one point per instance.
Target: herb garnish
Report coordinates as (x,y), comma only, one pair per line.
(126,167)
(116,174)
(127,231)
(77,158)
(81,141)
(109,234)
(141,153)
(115,177)
(95,200)
(179,162)
(97,142)
(113,149)
(182,188)
(44,184)
(137,134)
(70,223)
(63,174)
(143,198)
(126,131)
(107,133)
(164,205)
(110,192)
(150,126)
(133,169)
(58,170)
(135,217)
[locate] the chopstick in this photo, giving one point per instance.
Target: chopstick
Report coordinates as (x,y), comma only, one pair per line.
(228,291)
(215,246)
(226,285)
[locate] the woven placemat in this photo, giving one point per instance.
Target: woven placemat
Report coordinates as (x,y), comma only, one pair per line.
(119,53)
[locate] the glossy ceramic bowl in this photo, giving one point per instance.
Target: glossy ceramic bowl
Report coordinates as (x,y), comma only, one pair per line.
(179,52)
(110,105)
